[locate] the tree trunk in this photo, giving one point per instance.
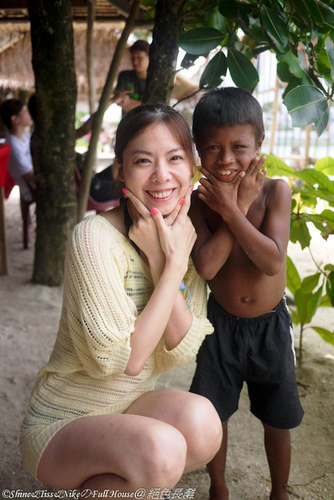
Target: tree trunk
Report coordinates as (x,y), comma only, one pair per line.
(164,50)
(89,56)
(56,94)
(103,104)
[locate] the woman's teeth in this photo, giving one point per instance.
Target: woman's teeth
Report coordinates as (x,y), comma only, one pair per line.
(163,194)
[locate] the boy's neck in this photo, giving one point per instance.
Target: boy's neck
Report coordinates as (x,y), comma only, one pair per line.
(18,132)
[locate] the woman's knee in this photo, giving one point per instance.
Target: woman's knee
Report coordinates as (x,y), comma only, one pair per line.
(203,431)
(164,458)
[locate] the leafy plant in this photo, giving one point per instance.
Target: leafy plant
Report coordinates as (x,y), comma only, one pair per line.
(316,290)
(300,33)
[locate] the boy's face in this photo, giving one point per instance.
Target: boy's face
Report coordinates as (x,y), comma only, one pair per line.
(225,151)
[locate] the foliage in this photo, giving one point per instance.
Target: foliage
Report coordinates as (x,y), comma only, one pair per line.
(300,33)
(316,290)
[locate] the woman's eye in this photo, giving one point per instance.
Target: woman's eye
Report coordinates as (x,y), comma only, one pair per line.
(141,161)
(176,158)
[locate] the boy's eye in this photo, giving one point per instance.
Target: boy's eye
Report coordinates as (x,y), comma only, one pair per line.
(212,147)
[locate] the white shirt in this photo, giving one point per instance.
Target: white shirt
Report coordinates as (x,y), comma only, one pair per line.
(20,162)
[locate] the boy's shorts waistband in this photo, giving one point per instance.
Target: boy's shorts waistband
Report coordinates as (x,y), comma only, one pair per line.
(280,306)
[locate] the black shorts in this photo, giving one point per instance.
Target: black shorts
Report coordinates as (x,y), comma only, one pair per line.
(258,351)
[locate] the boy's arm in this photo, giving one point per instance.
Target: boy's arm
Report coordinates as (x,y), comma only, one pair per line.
(266,247)
(211,249)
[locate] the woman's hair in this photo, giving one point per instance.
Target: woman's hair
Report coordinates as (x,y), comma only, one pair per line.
(9,108)
(141,117)
(226,106)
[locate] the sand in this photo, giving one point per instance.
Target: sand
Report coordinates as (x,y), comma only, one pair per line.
(28,323)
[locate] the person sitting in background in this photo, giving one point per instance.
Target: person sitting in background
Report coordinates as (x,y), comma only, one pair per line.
(16,118)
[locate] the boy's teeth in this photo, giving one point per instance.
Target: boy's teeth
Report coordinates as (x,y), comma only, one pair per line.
(163,194)
(225,172)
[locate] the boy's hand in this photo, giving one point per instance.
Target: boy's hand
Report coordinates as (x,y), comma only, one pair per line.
(216,194)
(250,186)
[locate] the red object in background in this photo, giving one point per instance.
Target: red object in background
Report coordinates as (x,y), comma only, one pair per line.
(4,157)
(6,181)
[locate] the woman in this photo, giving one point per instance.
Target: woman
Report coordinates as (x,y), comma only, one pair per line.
(94,420)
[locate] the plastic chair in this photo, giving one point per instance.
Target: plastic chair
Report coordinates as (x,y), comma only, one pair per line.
(98,206)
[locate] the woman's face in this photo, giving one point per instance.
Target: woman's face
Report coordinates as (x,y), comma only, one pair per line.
(156,168)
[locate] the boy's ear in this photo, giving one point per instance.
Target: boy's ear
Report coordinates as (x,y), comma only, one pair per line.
(259,145)
(120,169)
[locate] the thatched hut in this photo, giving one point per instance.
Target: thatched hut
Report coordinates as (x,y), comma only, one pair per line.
(16,73)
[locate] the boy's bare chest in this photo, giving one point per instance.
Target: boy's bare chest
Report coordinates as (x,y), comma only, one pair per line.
(256,216)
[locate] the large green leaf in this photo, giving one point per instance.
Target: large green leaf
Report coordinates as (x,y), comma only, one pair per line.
(330,52)
(322,122)
(293,63)
(277,29)
(306,104)
(325,165)
(242,70)
(327,335)
(200,40)
(307,304)
(330,287)
(299,232)
(216,68)
(309,283)
(293,280)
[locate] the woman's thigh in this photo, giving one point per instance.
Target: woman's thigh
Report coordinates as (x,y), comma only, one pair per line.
(130,448)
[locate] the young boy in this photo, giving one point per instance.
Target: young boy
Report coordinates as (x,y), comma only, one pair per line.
(242,220)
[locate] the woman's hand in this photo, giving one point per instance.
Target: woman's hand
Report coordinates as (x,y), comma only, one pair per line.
(250,186)
(144,232)
(177,234)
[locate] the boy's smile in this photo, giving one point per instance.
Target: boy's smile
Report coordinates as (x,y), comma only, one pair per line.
(225,151)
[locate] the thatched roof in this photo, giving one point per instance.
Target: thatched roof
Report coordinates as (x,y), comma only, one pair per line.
(15,58)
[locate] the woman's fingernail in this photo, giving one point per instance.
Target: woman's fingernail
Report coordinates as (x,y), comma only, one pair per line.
(154,211)
(125,191)
(181,202)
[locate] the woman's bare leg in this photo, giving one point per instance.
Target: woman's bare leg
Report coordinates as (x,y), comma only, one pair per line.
(162,435)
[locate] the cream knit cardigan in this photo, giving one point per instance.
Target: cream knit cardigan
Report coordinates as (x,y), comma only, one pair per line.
(106,286)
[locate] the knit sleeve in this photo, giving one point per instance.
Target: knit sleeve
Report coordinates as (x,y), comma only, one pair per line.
(100,314)
(188,347)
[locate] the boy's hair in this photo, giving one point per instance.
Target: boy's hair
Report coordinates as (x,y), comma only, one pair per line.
(140,45)
(141,117)
(9,108)
(223,107)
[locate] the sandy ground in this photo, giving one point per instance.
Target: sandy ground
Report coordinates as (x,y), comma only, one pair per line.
(28,323)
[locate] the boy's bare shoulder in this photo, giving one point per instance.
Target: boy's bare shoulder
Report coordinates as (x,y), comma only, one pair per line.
(276,187)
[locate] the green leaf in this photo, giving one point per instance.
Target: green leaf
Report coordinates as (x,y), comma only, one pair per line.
(216,68)
(330,287)
(330,52)
(306,104)
(293,279)
(309,283)
(326,335)
(200,40)
(322,122)
(276,28)
(329,267)
(293,63)
(299,232)
(307,304)
(242,70)
(325,165)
